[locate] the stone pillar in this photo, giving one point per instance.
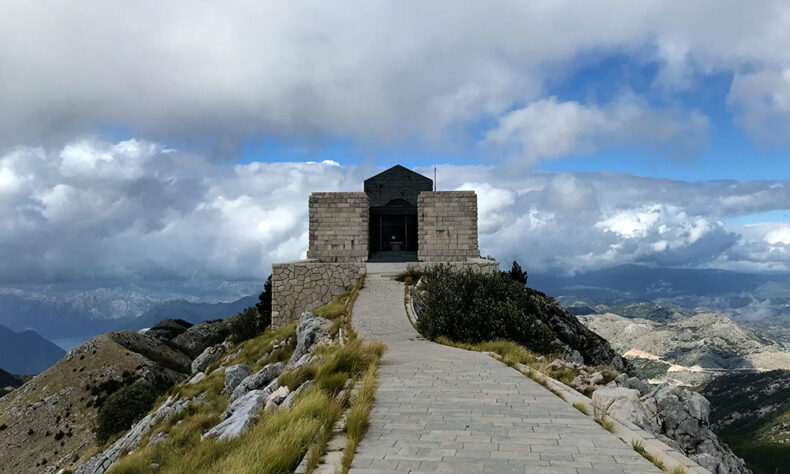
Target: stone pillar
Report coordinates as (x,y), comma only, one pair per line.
(447,226)
(338,227)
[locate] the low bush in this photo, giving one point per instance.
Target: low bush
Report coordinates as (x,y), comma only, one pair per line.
(264,304)
(124,407)
(245,325)
(471,307)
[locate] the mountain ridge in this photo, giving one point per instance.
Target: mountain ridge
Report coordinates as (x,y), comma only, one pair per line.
(26,352)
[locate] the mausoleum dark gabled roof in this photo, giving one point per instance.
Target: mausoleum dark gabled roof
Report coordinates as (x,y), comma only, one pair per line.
(397,182)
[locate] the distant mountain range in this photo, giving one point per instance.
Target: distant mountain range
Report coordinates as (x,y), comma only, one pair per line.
(760,302)
(188,311)
(686,347)
(26,352)
(67,310)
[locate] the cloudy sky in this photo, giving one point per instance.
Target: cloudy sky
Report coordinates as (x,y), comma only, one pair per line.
(160,140)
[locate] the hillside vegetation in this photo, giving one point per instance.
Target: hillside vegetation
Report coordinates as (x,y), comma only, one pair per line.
(752,413)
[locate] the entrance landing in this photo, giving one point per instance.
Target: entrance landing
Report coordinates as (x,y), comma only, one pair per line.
(442,409)
(393,256)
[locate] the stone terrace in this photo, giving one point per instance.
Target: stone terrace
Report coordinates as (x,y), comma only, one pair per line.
(441,409)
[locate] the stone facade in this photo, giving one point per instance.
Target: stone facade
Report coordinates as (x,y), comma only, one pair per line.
(447,226)
(338,227)
(307,285)
(340,233)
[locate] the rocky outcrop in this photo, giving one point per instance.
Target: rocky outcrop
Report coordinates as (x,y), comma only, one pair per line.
(257,380)
(635,383)
(311,331)
(128,442)
(234,375)
(677,416)
(570,331)
(196,339)
(289,399)
(241,414)
(622,404)
(208,357)
(168,329)
(682,416)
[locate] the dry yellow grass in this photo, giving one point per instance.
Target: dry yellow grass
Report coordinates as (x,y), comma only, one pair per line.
(357,419)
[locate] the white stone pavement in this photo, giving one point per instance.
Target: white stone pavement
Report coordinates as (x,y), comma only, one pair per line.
(441,409)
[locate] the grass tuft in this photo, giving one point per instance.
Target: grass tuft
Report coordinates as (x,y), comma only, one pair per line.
(678,469)
(358,416)
(639,447)
(581,407)
(606,424)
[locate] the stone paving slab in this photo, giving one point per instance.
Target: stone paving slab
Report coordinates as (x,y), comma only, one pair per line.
(442,409)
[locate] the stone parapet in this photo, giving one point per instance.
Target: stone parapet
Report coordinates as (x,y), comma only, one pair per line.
(307,285)
(338,227)
(447,226)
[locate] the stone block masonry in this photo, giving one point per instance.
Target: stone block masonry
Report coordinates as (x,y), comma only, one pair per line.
(307,285)
(447,226)
(477,265)
(338,228)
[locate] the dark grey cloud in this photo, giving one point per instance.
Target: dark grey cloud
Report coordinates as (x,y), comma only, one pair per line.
(380,72)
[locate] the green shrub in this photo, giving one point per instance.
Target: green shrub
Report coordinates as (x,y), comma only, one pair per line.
(264,304)
(472,307)
(245,325)
(124,407)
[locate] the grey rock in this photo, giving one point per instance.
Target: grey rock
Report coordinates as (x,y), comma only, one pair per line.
(207,357)
(572,355)
(595,378)
(636,384)
(197,378)
(275,398)
(241,416)
(622,404)
(196,339)
(265,392)
(234,375)
(289,399)
(310,331)
(682,416)
(257,380)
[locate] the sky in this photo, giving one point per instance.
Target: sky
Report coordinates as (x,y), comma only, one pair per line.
(180,140)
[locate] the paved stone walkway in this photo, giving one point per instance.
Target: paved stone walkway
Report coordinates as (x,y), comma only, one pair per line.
(441,409)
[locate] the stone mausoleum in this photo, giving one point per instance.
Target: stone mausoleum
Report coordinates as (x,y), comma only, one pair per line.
(398,218)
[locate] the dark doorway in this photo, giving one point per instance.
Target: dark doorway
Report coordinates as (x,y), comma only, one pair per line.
(393,232)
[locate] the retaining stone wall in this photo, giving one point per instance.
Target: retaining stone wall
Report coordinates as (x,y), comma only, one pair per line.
(307,285)
(447,226)
(479,265)
(338,228)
